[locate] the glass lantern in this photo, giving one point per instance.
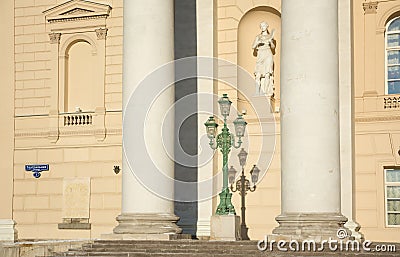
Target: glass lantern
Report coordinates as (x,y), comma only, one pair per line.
(240,126)
(231,175)
(254,174)
(242,157)
(225,105)
(211,127)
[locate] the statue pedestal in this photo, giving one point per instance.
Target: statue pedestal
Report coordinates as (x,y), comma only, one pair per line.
(225,228)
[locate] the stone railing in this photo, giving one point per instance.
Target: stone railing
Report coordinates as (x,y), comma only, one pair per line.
(77,119)
(391,102)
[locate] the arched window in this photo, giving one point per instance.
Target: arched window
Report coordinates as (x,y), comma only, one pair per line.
(393,56)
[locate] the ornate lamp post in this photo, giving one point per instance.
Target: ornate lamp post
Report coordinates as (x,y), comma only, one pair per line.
(225,140)
(243,185)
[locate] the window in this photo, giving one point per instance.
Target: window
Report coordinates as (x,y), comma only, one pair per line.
(393,56)
(392,196)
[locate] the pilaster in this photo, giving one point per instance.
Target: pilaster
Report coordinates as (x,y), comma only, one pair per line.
(370,11)
(7,130)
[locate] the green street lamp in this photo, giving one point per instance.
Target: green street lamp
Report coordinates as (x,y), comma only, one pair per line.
(225,140)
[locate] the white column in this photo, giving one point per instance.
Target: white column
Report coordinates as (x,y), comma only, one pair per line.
(346,116)
(148,44)
(310,120)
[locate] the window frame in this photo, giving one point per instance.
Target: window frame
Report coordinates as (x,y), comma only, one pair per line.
(387,49)
(386,185)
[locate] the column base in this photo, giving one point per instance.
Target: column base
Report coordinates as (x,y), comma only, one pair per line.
(354,228)
(203,228)
(7,231)
(225,228)
(147,225)
(310,226)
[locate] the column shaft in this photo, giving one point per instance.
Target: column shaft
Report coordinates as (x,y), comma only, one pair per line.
(310,119)
(148,44)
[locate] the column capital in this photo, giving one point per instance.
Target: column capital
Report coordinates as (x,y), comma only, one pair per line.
(55,38)
(370,7)
(101,33)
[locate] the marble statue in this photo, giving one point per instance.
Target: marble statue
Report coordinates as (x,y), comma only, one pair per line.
(263,47)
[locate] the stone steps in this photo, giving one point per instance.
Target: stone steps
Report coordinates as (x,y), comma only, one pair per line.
(195,248)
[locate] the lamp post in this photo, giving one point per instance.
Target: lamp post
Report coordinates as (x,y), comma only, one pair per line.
(243,185)
(225,140)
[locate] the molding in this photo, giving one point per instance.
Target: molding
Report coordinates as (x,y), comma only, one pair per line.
(380,31)
(370,7)
(378,118)
(101,33)
(308,226)
(77,10)
(147,223)
(203,228)
(386,15)
(55,38)
(70,39)
(75,132)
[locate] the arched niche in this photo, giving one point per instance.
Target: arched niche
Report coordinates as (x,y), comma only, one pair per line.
(79,76)
(249,28)
(72,65)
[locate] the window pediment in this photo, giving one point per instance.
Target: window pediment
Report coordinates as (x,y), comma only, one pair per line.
(77,10)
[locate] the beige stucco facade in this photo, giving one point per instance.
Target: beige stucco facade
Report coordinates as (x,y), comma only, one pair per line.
(42,133)
(56,112)
(376,127)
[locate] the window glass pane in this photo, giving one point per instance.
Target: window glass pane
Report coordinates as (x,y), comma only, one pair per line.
(394,72)
(392,175)
(394,57)
(393,219)
(394,25)
(393,40)
(393,192)
(393,205)
(394,87)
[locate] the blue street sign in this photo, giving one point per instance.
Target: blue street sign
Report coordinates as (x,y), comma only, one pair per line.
(36,169)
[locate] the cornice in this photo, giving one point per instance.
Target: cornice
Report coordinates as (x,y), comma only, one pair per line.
(65,19)
(77,10)
(75,132)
